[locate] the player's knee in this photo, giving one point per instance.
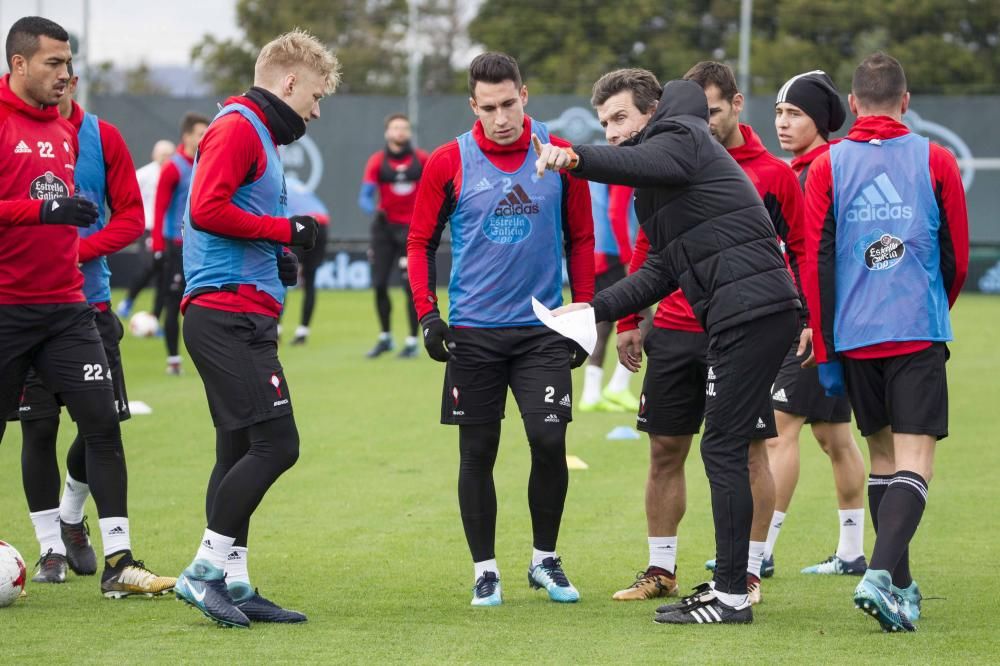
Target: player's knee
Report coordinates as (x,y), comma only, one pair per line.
(40,433)
(283,438)
(667,454)
(478,443)
(546,437)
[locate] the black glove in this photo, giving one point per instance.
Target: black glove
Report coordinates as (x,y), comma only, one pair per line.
(75,211)
(437,337)
(304,230)
(577,355)
(288,269)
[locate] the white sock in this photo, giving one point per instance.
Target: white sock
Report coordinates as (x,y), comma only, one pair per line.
(777,520)
(852,534)
(756,557)
(236,566)
(114,535)
(593,375)
(73,498)
(174,359)
(47,531)
(411,341)
(385,335)
(731,600)
(483,567)
(538,555)
(663,552)
(620,379)
(302,332)
(215,548)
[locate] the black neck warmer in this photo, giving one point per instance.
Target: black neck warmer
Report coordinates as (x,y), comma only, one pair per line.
(286,125)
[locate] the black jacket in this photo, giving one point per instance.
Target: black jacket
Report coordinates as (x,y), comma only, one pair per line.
(708,230)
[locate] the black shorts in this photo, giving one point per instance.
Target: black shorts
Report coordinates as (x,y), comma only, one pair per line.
(388,249)
(908,393)
(236,354)
(532,360)
(673,390)
(615,272)
(310,260)
(38,402)
(742,364)
(60,342)
(797,391)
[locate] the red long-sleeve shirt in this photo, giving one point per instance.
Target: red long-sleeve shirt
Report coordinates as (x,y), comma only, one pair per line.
(38,263)
(437,197)
(819,272)
(124,200)
(230,155)
(619,207)
(779,189)
(170,178)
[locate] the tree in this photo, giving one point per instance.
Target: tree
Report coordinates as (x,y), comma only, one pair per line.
(946,46)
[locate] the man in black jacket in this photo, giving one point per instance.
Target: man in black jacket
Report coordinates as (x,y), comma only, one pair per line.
(711,236)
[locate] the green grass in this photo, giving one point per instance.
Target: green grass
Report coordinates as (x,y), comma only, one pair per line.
(364,533)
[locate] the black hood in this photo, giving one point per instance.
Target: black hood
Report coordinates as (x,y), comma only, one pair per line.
(681,98)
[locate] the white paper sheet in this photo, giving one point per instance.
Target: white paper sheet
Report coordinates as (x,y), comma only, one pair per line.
(578,325)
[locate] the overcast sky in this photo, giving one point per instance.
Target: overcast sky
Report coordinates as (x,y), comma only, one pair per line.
(160,32)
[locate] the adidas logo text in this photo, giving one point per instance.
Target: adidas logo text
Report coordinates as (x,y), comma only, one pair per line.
(552,418)
(116,530)
(565,402)
(482,186)
(22,148)
(233,556)
(517,202)
(711,373)
(207,543)
(780,396)
(299,226)
(849,523)
(879,201)
(760,424)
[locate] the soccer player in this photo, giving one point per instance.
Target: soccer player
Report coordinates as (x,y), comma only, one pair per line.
(393,173)
(509,231)
(673,399)
(148,176)
(237,270)
(807,110)
(888,250)
(104,172)
(614,230)
(45,321)
(171,198)
(302,201)
(709,234)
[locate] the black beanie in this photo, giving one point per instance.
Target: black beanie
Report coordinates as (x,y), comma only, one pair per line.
(815,94)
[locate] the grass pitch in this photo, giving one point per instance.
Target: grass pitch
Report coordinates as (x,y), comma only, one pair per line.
(364,535)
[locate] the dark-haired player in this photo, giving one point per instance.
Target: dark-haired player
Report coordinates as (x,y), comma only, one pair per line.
(46,323)
(509,232)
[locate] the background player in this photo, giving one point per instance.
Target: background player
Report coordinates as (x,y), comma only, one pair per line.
(880,310)
(507,230)
(237,271)
(807,110)
(45,321)
(171,198)
(615,227)
(148,176)
(302,201)
(392,173)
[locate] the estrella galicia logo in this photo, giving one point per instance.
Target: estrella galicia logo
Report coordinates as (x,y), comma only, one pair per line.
(880,250)
(879,201)
(48,186)
(509,223)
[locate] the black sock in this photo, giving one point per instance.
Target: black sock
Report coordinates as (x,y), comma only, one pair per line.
(549,478)
(877,483)
(899,514)
(477,496)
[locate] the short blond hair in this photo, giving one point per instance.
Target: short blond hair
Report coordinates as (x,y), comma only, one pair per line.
(299,47)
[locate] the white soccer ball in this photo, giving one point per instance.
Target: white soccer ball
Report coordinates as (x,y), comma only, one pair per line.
(143,325)
(13,574)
